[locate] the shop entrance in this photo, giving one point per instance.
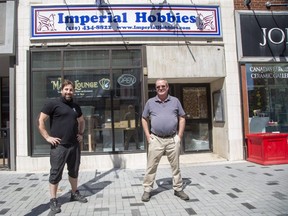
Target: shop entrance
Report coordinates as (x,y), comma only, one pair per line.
(113,121)
(195,99)
(198,131)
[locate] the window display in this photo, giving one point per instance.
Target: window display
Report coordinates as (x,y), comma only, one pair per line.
(267,86)
(107,81)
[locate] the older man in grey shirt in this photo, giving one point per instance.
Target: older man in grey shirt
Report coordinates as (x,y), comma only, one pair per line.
(165,113)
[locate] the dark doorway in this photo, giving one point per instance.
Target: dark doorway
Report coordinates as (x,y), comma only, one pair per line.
(195,99)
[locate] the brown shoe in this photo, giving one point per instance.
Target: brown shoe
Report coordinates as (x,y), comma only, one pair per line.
(181,195)
(146,196)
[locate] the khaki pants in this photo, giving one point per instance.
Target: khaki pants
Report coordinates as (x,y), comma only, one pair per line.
(157,147)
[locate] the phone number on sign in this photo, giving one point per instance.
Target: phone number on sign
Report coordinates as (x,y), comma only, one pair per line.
(111,27)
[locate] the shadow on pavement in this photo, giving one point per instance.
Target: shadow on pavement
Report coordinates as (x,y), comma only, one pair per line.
(166,184)
(91,187)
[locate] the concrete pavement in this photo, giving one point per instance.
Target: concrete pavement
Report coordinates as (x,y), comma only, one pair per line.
(222,188)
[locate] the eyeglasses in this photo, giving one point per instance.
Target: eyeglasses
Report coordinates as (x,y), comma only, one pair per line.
(161,86)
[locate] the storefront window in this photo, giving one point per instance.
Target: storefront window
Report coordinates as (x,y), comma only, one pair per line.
(47,60)
(86,58)
(126,58)
(108,89)
(267,86)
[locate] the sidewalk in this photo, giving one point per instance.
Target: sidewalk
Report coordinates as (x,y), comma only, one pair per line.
(224,188)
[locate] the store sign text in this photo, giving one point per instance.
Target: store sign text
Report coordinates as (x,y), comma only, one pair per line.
(269,72)
(126,80)
(56,85)
(122,18)
(85,86)
(272,34)
(125,20)
(269,75)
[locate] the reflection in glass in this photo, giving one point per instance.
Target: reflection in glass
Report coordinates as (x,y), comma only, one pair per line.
(46,60)
(267,86)
(196,137)
(126,58)
(86,58)
(40,94)
(127,106)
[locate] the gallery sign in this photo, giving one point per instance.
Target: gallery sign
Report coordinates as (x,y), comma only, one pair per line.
(267,71)
(68,21)
(264,74)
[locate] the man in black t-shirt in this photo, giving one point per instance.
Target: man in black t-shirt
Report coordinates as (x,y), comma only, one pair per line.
(67,126)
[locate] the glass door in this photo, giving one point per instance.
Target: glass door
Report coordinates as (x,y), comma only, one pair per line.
(127,110)
(195,101)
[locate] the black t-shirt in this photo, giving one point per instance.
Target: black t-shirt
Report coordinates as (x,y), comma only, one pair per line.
(63,119)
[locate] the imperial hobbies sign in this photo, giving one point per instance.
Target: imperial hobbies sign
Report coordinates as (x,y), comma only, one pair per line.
(125,20)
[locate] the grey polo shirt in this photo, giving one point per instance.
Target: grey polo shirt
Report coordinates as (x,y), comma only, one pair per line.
(163,115)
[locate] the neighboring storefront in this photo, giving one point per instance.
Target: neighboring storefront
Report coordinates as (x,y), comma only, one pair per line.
(8,19)
(263,51)
(114,53)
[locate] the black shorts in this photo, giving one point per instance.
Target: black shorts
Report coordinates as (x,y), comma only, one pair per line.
(59,156)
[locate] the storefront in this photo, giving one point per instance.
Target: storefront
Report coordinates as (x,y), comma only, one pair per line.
(114,53)
(264,70)
(263,43)
(8,16)
(107,80)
